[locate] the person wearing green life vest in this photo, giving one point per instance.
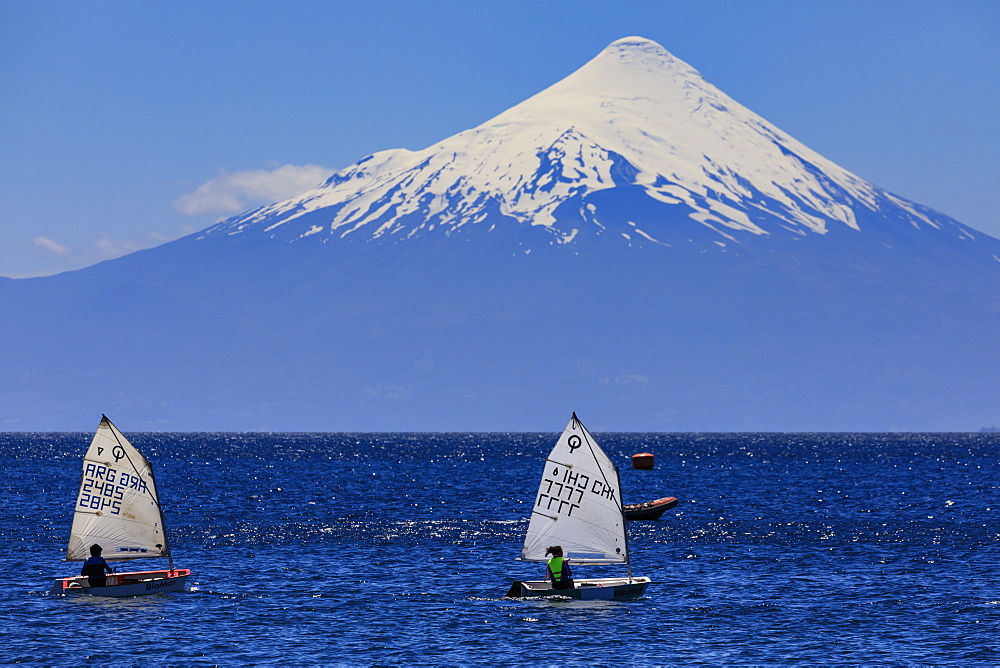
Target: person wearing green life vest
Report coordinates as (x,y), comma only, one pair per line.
(558,571)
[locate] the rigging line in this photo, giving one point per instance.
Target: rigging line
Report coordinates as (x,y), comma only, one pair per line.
(621,508)
(590,445)
(115,432)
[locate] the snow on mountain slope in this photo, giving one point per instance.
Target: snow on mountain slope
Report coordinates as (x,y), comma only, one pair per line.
(633,116)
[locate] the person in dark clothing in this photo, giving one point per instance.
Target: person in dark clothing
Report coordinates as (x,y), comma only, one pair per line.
(95,567)
(558,571)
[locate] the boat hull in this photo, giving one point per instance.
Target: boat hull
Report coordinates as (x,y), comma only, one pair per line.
(650,510)
(590,589)
(138,583)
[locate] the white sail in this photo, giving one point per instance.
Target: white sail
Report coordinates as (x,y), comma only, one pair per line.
(578,505)
(117,506)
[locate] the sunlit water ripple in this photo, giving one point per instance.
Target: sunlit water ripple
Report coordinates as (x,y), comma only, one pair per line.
(398,548)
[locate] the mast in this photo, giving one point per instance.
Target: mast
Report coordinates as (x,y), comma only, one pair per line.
(628,550)
(621,508)
(165,549)
(163,522)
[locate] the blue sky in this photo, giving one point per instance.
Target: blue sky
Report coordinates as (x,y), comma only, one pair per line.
(125,124)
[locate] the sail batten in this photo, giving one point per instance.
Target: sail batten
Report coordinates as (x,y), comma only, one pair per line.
(117,506)
(578,504)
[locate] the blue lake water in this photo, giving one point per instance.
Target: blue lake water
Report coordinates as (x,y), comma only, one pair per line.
(398,549)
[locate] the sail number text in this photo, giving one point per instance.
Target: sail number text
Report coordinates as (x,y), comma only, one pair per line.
(104,488)
(562,491)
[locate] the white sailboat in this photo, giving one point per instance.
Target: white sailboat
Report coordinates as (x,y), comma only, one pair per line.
(118,508)
(578,507)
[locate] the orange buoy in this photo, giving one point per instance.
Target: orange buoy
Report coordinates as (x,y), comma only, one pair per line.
(643,460)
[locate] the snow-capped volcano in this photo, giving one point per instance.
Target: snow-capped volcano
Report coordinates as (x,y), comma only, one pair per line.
(697,269)
(634,117)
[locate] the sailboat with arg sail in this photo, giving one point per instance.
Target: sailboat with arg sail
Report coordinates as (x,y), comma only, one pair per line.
(118,509)
(578,507)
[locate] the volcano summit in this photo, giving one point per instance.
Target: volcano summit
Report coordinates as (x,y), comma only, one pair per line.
(634,121)
(629,242)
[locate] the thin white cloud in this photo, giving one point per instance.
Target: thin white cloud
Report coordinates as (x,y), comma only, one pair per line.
(108,248)
(156,237)
(59,257)
(51,245)
(111,248)
(238,191)
(627,380)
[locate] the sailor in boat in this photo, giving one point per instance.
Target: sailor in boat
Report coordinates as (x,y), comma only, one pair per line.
(95,567)
(558,571)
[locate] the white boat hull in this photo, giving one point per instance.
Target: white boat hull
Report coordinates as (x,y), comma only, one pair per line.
(590,589)
(139,583)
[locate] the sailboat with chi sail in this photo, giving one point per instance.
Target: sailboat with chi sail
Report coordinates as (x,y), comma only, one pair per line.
(578,508)
(118,509)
